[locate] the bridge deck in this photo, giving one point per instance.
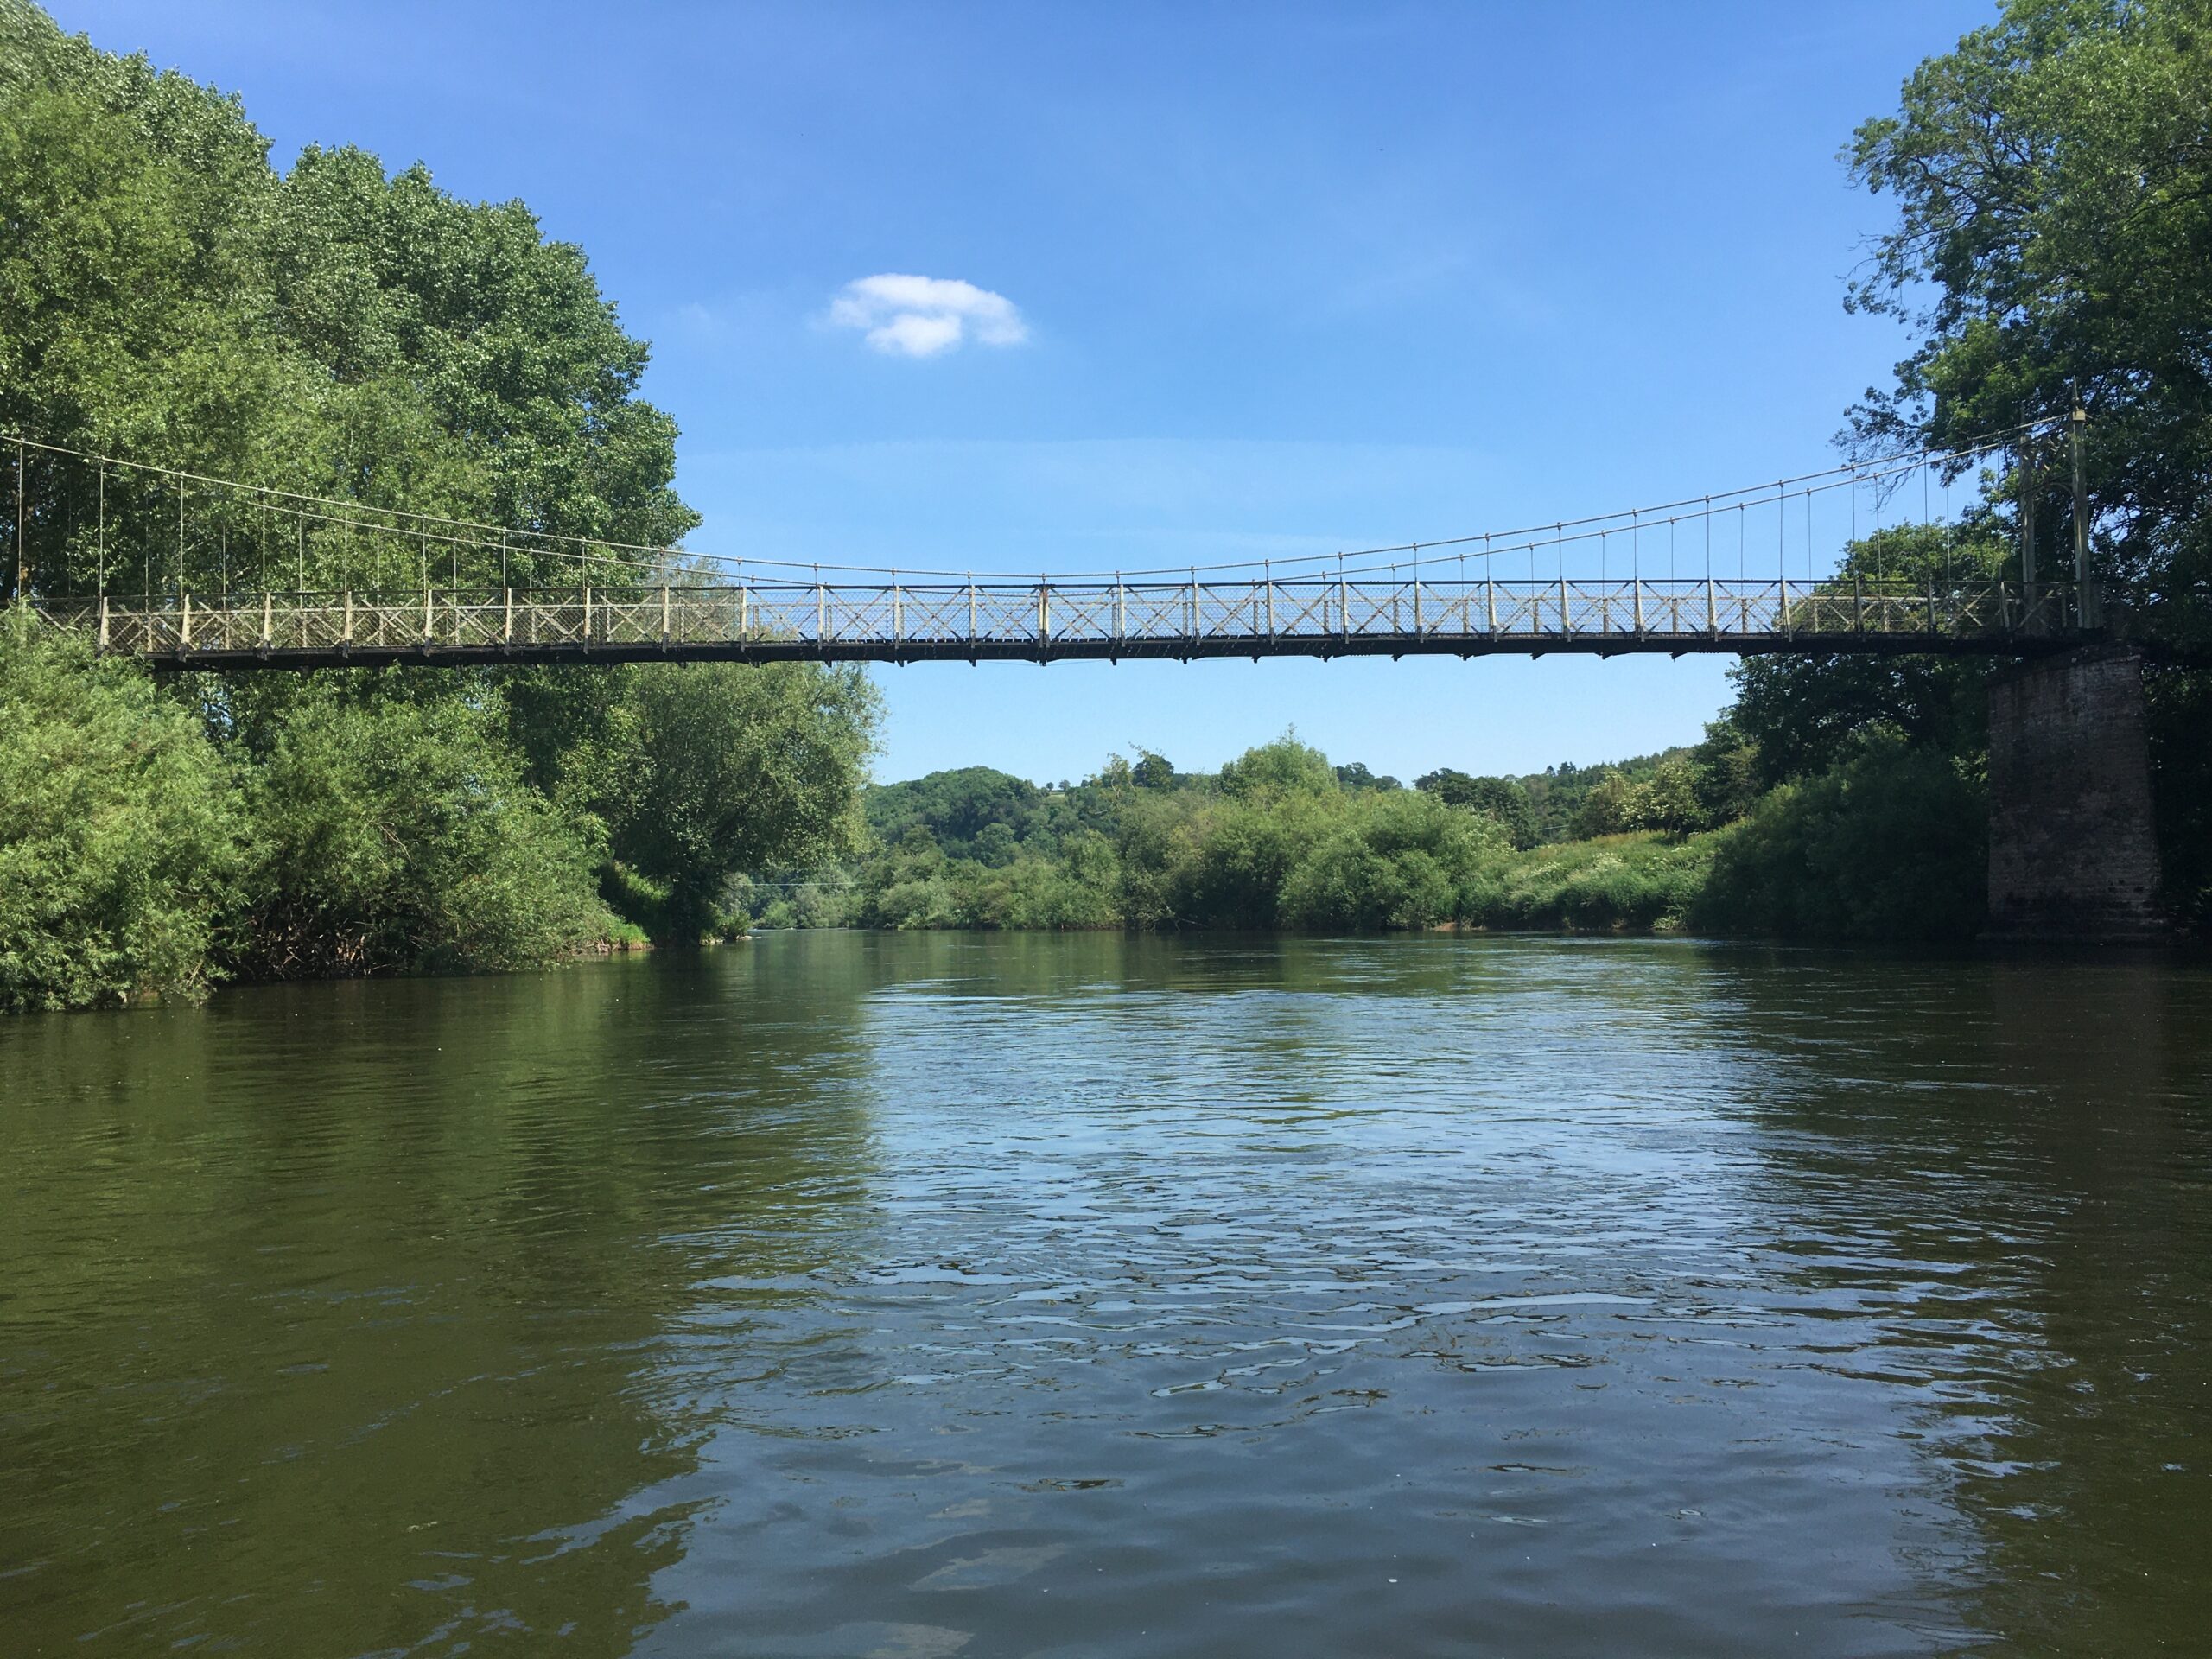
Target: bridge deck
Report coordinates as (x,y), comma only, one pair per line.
(1048,621)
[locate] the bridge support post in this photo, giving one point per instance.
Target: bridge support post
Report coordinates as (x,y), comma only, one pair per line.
(2071,851)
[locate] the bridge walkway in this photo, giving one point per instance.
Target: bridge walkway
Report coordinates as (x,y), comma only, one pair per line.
(1048,621)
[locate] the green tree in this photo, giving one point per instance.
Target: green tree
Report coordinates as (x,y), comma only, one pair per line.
(165,295)
(118,830)
(698,771)
(1668,801)
(1153,771)
(958,808)
(1356,777)
(1150,835)
(1285,766)
(2054,196)
(1725,768)
(2054,193)
(1340,885)
(1502,800)
(1393,859)
(396,834)
(461,322)
(1892,844)
(136,315)
(1613,805)
(910,886)
(1235,856)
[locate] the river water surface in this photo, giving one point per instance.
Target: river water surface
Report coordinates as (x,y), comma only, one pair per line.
(918,1296)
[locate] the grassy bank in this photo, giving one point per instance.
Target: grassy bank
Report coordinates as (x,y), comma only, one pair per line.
(1639,882)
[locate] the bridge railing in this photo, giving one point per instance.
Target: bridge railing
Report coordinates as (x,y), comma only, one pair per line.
(1312,616)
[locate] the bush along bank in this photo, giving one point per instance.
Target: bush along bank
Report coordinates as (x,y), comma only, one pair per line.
(1889,843)
(157,837)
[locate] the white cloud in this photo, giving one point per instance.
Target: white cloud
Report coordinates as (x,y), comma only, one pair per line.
(922,316)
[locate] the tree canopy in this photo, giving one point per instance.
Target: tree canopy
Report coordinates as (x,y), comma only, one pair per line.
(2053,183)
(168,296)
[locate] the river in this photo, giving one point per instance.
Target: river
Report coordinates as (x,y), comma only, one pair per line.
(841,1295)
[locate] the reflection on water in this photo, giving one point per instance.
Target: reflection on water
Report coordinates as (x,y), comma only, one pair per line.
(851,1294)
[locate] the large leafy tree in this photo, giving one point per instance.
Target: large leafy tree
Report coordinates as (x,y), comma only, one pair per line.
(2053,183)
(134,309)
(1285,766)
(420,307)
(1503,800)
(2053,180)
(741,768)
(691,773)
(398,833)
(168,297)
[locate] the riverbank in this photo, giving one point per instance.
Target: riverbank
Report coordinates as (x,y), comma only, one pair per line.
(160,837)
(1890,844)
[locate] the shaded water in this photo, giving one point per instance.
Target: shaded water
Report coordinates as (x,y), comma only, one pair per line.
(843,1294)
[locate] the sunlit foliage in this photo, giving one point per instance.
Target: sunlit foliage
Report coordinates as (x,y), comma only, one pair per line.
(167,296)
(118,831)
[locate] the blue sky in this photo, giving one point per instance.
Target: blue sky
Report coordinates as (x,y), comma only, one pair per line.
(1283,278)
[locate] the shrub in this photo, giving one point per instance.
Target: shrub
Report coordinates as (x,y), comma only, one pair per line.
(118,830)
(394,835)
(1238,854)
(1396,860)
(1078,890)
(1503,800)
(1894,844)
(1616,882)
(1341,885)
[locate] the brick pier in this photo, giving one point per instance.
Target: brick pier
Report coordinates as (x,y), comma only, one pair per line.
(2071,850)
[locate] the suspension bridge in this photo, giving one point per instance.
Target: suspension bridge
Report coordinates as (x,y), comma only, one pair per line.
(182,569)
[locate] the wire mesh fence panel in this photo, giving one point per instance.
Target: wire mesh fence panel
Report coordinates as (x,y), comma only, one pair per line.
(1083,614)
(936,615)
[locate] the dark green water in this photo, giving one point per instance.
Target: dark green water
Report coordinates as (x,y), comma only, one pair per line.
(921,1296)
